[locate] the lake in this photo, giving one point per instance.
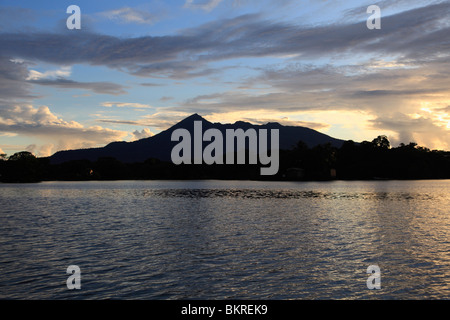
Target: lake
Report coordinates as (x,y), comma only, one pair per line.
(225,239)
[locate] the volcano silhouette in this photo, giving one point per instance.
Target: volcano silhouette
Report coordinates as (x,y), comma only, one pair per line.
(160,145)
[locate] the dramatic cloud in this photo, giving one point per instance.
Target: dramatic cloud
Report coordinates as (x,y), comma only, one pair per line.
(97,87)
(46,150)
(59,73)
(420,34)
(422,130)
(40,151)
(144,133)
(374,89)
(445,110)
(17,80)
(160,120)
(130,15)
(41,123)
(395,79)
(126,105)
(288,122)
(204,5)
(12,76)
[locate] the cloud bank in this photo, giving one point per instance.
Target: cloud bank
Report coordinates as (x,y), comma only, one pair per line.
(397,77)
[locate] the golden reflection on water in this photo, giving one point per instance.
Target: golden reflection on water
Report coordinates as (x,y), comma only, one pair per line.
(228,239)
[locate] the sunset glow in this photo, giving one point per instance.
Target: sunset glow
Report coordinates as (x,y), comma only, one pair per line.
(133,70)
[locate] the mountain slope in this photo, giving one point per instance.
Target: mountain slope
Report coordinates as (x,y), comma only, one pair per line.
(160,146)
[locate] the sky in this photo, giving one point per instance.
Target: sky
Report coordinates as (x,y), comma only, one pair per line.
(136,68)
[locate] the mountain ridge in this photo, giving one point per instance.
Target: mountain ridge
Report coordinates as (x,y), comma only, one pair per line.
(160,145)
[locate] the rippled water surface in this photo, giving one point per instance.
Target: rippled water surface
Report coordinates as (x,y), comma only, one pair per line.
(225,239)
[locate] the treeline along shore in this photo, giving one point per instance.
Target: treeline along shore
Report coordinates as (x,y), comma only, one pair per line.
(352,161)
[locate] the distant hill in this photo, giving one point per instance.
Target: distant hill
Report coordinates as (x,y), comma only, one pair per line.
(160,145)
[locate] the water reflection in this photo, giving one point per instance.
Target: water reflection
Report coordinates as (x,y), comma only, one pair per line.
(282,194)
(215,239)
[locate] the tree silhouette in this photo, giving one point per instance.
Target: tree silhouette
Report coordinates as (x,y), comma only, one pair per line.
(22,156)
(365,160)
(381,142)
(21,167)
